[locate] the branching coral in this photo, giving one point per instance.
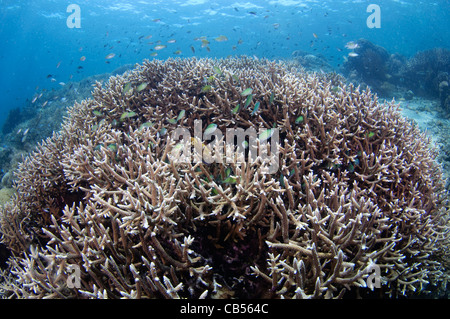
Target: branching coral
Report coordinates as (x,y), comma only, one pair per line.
(357,186)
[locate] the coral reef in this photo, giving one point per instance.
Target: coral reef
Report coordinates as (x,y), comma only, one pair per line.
(369,65)
(426,70)
(357,189)
(425,74)
(310,62)
(38,119)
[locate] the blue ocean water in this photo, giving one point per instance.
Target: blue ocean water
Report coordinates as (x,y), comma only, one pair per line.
(40,51)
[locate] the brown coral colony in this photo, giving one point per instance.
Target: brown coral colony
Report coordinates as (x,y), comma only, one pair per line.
(357,188)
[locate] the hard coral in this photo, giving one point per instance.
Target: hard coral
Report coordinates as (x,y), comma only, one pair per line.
(357,189)
(370,65)
(424,71)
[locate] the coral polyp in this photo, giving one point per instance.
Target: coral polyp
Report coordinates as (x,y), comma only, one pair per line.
(357,188)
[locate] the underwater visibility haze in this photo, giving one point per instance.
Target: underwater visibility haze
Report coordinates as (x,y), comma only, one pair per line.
(355,94)
(36,41)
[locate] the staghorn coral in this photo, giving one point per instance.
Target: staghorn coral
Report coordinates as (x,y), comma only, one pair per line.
(357,186)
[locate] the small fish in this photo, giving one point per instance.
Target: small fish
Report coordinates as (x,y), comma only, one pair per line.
(351,45)
(265,135)
(351,168)
(272,96)
(127,115)
(299,119)
(57,65)
(211,79)
(221,38)
(353,54)
(112,147)
(247,102)
(370,134)
(228,172)
(181,115)
(217,70)
(206,88)
(126,88)
(177,149)
(315,35)
(171,41)
(230,180)
(97,113)
(210,129)
(83,58)
(98,146)
(110,56)
(160,47)
(141,87)
(144,125)
(247,92)
(292,172)
(236,109)
(198,145)
(204,43)
(255,109)
(34,99)
(192,49)
(153,54)
(172,121)
(282,183)
(177,52)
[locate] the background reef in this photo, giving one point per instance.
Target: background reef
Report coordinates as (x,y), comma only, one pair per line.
(43,114)
(425,74)
(358,186)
